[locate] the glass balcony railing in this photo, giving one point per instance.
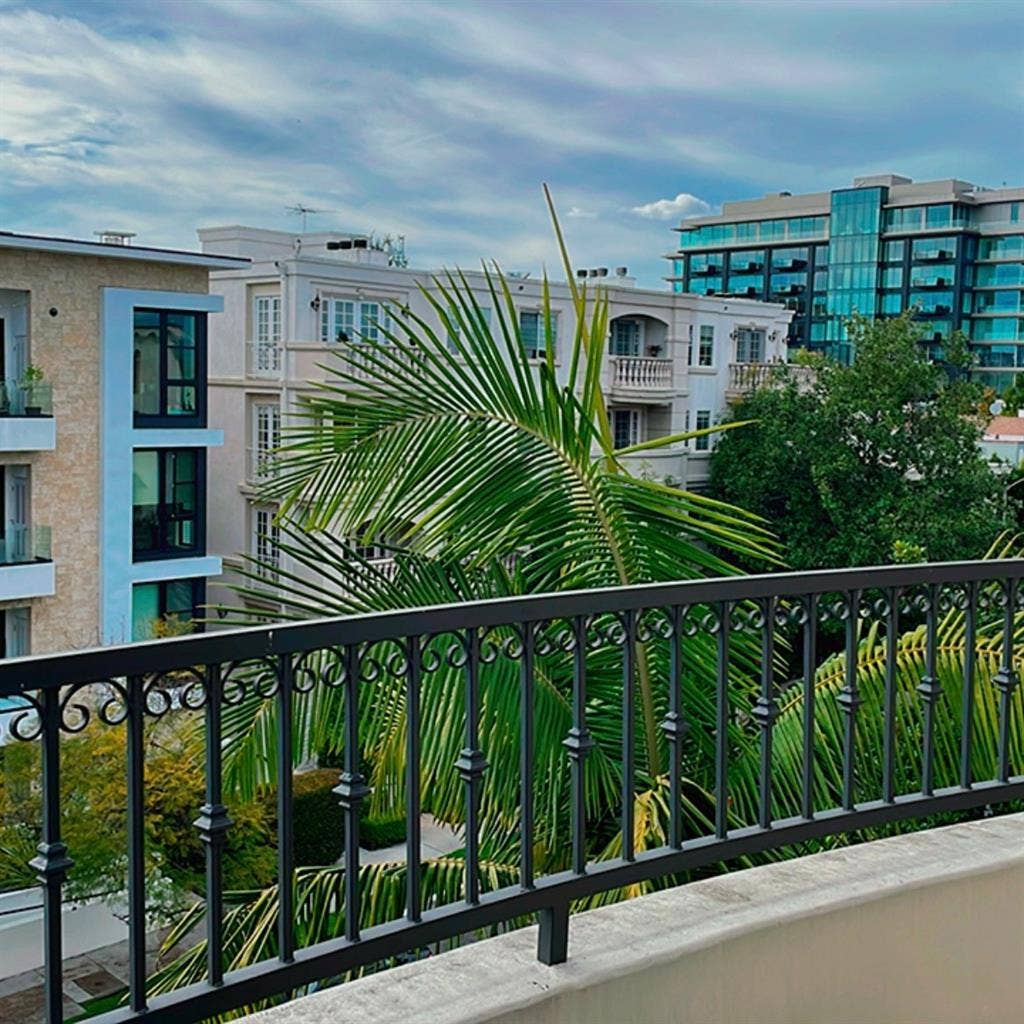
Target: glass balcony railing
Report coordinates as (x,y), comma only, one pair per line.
(26,398)
(23,543)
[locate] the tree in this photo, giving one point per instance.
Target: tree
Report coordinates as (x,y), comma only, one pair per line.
(869,460)
(492,476)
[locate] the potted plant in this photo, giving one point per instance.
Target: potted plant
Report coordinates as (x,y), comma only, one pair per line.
(31,381)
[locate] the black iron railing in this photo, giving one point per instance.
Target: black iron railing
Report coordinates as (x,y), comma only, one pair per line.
(752,626)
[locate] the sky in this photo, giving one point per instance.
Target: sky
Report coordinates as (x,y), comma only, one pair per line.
(440,120)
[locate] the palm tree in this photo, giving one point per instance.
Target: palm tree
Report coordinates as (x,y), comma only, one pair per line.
(492,476)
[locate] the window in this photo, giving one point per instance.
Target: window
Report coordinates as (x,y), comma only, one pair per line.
(168,487)
(337,320)
(626,338)
(706,347)
(625,427)
(532,330)
(455,329)
(168,599)
(373,322)
(686,428)
(750,345)
(169,368)
(266,437)
(703,443)
(267,319)
(266,539)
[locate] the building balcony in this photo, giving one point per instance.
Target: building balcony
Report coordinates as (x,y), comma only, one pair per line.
(369,360)
(26,417)
(26,562)
(747,377)
(957,891)
(264,359)
(647,374)
(260,466)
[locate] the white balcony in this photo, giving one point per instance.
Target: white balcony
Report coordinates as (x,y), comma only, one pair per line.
(641,374)
(260,465)
(26,563)
(263,359)
(747,377)
(368,360)
(26,417)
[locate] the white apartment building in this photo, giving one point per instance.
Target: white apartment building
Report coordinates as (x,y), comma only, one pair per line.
(673,361)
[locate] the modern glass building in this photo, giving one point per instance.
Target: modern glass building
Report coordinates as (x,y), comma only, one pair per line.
(949,249)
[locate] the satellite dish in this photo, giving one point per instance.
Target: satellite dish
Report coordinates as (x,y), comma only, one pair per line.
(997,407)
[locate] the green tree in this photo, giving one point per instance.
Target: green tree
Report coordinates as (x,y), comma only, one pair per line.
(859,464)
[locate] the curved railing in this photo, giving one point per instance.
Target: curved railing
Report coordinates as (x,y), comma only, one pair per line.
(742,621)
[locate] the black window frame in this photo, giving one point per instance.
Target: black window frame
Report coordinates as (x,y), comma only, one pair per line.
(164,418)
(198,597)
(164,518)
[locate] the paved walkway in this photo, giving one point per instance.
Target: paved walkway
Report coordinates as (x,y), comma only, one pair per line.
(100,972)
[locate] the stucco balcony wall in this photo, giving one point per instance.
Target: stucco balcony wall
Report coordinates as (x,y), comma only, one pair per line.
(922,927)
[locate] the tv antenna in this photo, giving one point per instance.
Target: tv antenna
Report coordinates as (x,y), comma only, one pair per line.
(304,211)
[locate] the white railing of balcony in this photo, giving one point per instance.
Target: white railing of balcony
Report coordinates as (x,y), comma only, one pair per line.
(259,465)
(641,373)
(264,359)
(750,376)
(369,359)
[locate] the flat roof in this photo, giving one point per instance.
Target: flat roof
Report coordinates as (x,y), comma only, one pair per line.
(78,247)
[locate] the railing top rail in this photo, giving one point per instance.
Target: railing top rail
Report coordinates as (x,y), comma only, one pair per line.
(18,675)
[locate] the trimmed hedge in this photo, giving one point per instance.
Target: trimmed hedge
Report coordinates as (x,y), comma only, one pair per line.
(377,833)
(319,821)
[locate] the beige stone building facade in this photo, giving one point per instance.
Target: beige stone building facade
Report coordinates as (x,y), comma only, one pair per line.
(71,436)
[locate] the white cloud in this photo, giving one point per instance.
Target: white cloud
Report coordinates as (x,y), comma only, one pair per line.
(578,211)
(684,205)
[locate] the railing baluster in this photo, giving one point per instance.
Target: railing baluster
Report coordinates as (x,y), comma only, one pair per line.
(413,906)
(850,699)
(675,726)
(135,709)
(213,823)
(471,766)
(930,690)
(52,862)
(810,670)
(1006,681)
(579,742)
(967,700)
(722,723)
(628,732)
(889,707)
(766,710)
(526,714)
(285,825)
(351,791)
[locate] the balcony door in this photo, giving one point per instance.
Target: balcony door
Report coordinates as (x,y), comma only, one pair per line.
(626,338)
(16,513)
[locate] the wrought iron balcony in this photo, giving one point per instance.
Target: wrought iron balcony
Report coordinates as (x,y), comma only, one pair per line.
(641,373)
(613,637)
(365,360)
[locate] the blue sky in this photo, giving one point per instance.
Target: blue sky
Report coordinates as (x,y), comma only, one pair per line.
(440,120)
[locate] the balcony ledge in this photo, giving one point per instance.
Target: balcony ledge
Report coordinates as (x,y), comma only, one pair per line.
(28,433)
(926,926)
(27,579)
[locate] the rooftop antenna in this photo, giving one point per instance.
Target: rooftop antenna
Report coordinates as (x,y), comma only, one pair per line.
(304,211)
